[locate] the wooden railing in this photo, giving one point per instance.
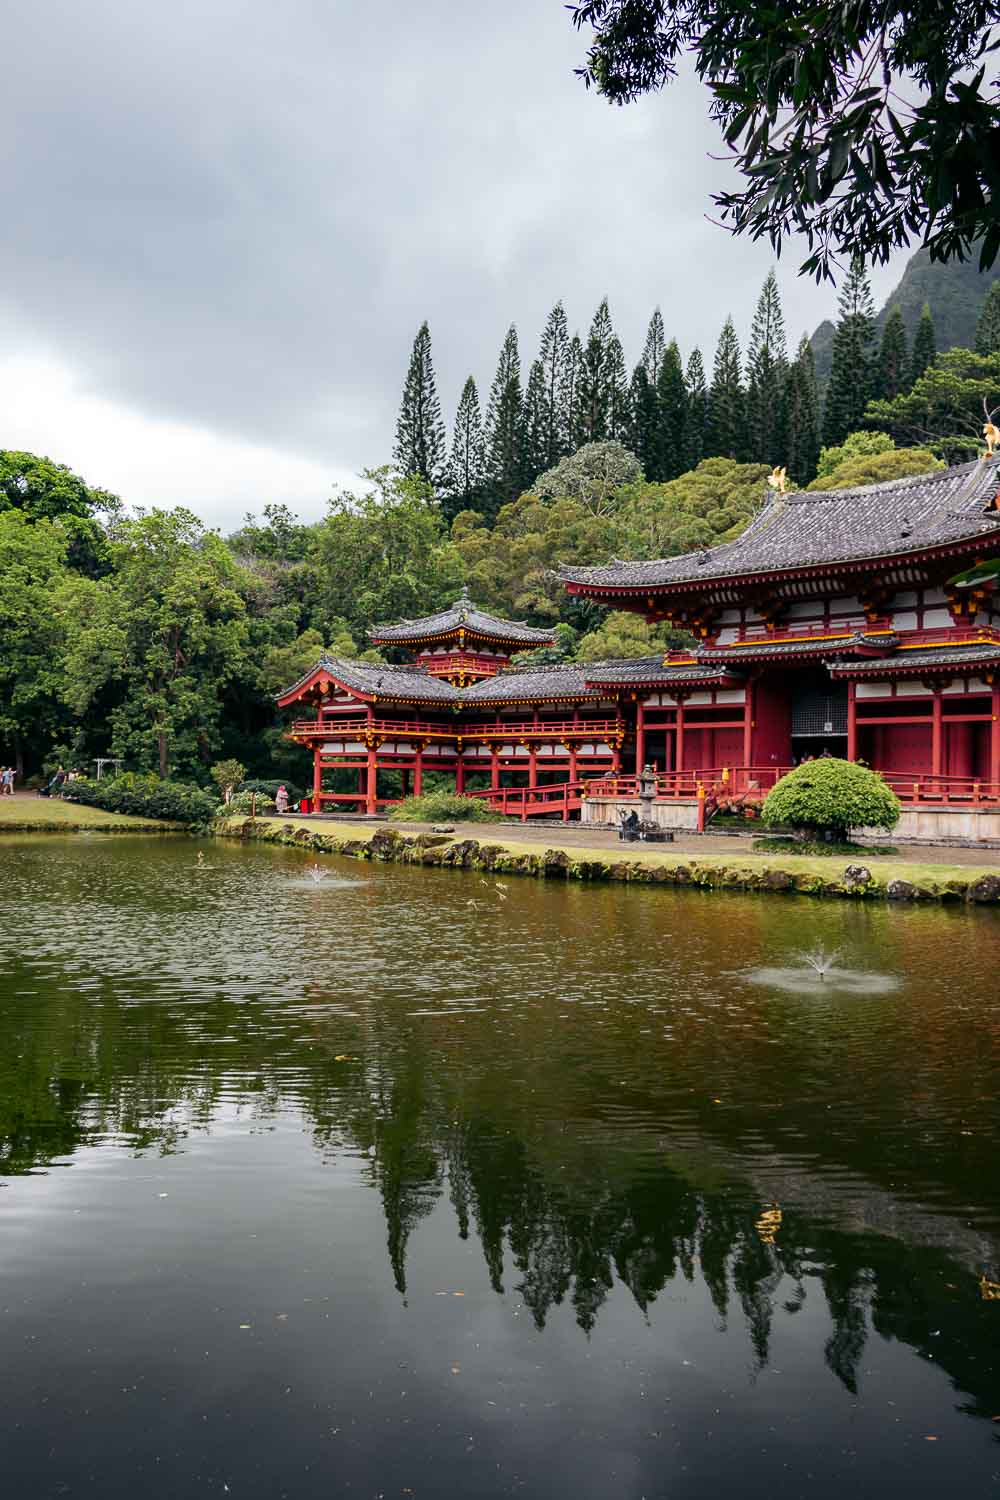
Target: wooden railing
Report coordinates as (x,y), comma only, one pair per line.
(500,730)
(803,630)
(971,791)
(526,802)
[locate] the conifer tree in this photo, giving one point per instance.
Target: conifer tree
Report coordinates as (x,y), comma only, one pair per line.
(654,347)
(671,401)
(467,465)
(420,437)
(570,415)
(801,415)
(643,438)
(697,411)
(553,355)
(988,327)
(891,372)
(924,346)
(850,387)
(504,427)
(767,362)
(726,436)
(595,378)
(618,402)
(534,426)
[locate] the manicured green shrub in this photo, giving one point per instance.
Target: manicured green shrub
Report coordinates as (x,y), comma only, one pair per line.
(443,807)
(244,803)
(143,797)
(831,796)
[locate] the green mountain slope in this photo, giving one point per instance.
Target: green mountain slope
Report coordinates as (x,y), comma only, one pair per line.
(955,292)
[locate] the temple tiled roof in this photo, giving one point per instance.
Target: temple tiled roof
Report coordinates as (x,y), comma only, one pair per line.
(525,684)
(942,658)
(805,530)
(651,670)
(883,641)
(375,680)
(462,615)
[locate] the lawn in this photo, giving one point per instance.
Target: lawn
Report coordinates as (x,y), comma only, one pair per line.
(27,814)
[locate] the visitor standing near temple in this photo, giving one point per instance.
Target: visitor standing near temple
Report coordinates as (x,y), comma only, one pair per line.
(281,799)
(7,781)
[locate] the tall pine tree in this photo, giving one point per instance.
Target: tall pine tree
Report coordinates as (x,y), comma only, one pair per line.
(988,327)
(892,366)
(726,436)
(467,465)
(618,402)
(570,413)
(801,415)
(596,378)
(696,417)
(767,363)
(553,356)
(924,346)
(643,438)
(671,402)
(654,347)
(850,387)
(420,436)
(504,428)
(534,427)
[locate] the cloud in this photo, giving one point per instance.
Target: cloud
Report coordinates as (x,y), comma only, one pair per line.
(235,216)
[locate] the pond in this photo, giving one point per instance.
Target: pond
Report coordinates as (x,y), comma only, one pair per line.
(382,1181)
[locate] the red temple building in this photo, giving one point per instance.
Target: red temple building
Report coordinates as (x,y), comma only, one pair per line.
(829,625)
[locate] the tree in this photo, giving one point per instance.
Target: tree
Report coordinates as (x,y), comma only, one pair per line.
(988,326)
(711,503)
(553,356)
(726,436)
(892,367)
(831,796)
(856,126)
(166,629)
(467,466)
(696,415)
(643,436)
(534,426)
(672,416)
(619,410)
(593,476)
(504,447)
(924,347)
(621,634)
(597,374)
(570,415)
(382,556)
(228,775)
(420,438)
(860,469)
(32,575)
(654,348)
(944,410)
(801,415)
(862,444)
(767,363)
(851,374)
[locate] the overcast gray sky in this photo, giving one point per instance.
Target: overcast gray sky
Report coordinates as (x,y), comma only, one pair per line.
(225,220)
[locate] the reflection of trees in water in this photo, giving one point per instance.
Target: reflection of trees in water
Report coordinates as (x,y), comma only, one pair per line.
(571,1218)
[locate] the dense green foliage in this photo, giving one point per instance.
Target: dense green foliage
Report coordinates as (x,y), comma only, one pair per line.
(442,807)
(143,796)
(856,126)
(944,410)
(831,794)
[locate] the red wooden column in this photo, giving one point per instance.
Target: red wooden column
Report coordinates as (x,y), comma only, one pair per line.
(937,736)
(680,735)
(494,768)
(459,774)
(574,768)
(533,763)
(317,778)
(371,785)
(748,725)
(852,722)
(418,772)
(995,737)
(640,736)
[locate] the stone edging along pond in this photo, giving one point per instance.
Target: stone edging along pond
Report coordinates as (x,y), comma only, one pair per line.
(387,846)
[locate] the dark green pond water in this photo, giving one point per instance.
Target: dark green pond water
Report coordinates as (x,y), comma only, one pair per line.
(405,1184)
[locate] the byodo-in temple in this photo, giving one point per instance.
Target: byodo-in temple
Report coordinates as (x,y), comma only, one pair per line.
(836,623)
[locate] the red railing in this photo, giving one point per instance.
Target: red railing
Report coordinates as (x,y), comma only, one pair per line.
(971,791)
(501,730)
(460,661)
(526,802)
(810,630)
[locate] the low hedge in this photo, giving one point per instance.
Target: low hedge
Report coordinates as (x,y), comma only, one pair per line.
(443,807)
(143,797)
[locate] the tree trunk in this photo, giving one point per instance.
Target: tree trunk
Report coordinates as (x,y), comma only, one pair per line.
(18,757)
(162,742)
